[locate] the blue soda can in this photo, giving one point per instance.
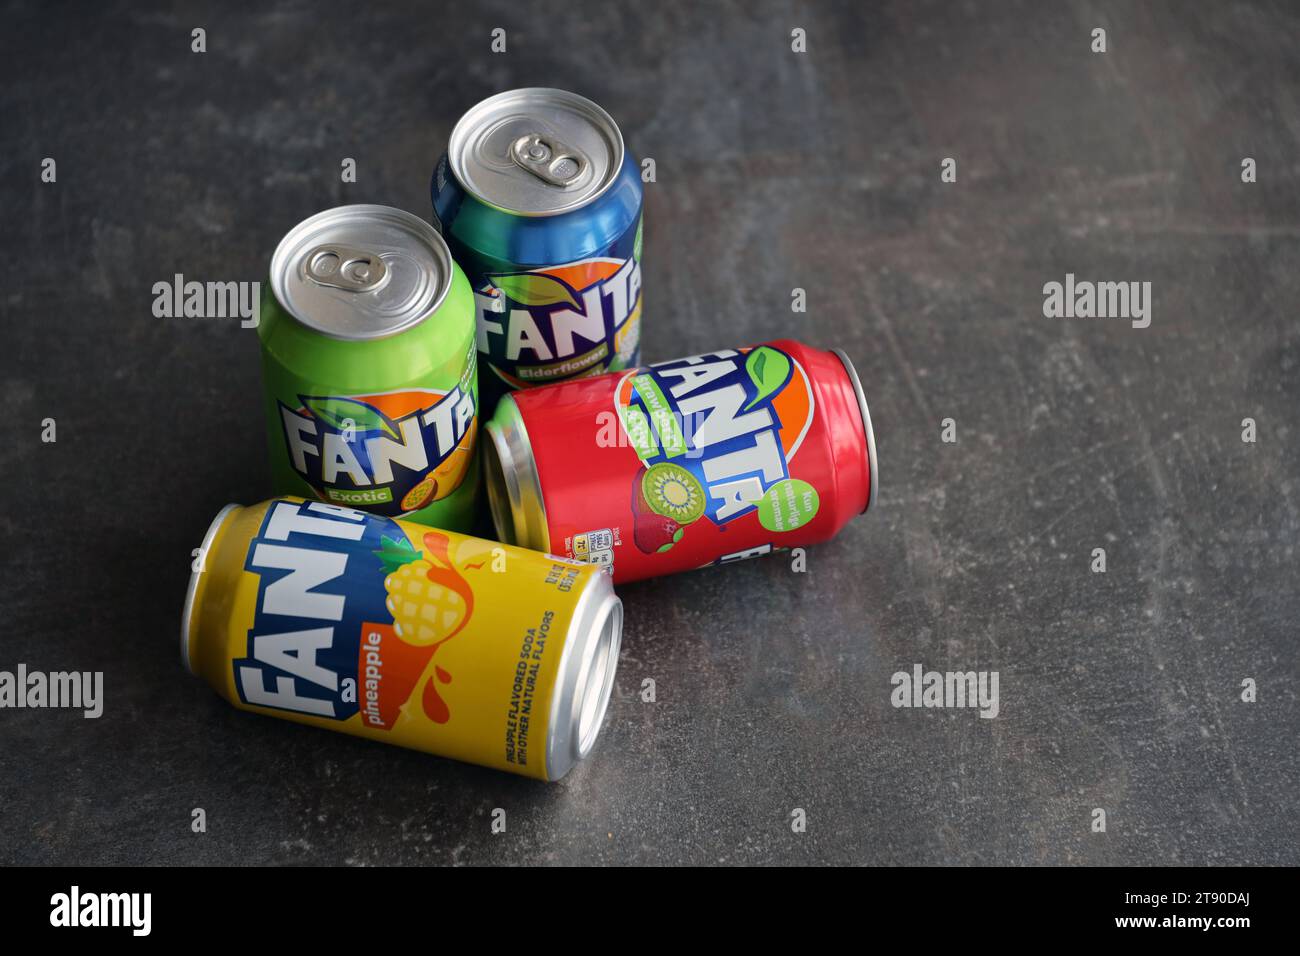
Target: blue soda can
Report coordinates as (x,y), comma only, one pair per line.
(540,203)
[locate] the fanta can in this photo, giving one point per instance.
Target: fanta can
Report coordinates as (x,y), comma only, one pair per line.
(368,364)
(540,202)
(684,464)
(398,632)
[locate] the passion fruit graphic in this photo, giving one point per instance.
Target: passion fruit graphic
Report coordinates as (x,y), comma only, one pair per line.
(672,491)
(421,494)
(451,472)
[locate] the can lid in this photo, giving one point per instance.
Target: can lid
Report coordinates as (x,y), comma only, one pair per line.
(191,592)
(536,151)
(361,272)
(866,424)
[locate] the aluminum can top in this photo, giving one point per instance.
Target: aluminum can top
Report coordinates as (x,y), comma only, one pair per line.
(536,151)
(361,272)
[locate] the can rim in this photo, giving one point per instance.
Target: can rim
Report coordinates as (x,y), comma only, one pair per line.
(586,675)
(191,592)
(866,425)
(455,142)
(280,268)
(511,468)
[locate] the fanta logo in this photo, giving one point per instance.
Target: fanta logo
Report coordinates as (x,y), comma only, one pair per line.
(393,453)
(302,647)
(715,432)
(569,316)
(349,615)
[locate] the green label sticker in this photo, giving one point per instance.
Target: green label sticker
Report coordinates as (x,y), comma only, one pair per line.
(788,505)
(564,368)
(360,496)
(639,434)
(661,416)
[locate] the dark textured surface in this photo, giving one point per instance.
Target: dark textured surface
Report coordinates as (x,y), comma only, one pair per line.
(776,170)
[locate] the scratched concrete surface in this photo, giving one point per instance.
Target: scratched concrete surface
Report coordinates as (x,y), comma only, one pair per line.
(1118,691)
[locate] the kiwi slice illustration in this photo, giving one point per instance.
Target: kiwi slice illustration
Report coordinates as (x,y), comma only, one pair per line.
(672,491)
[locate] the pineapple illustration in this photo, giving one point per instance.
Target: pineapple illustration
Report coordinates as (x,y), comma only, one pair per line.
(429,600)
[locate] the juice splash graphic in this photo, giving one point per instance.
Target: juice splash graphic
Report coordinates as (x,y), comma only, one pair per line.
(430,602)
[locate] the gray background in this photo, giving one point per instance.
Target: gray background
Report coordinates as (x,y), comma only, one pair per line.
(775,170)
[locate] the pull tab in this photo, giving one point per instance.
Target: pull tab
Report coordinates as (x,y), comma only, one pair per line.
(342,267)
(548,159)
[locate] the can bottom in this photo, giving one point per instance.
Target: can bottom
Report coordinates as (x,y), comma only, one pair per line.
(191,593)
(599,681)
(498,493)
(513,485)
(586,677)
(866,425)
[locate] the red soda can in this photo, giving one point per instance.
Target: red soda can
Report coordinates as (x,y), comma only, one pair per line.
(684,464)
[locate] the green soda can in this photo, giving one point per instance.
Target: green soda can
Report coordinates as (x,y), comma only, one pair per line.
(368,364)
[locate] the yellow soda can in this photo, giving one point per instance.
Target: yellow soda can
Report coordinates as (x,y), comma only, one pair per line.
(395,631)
